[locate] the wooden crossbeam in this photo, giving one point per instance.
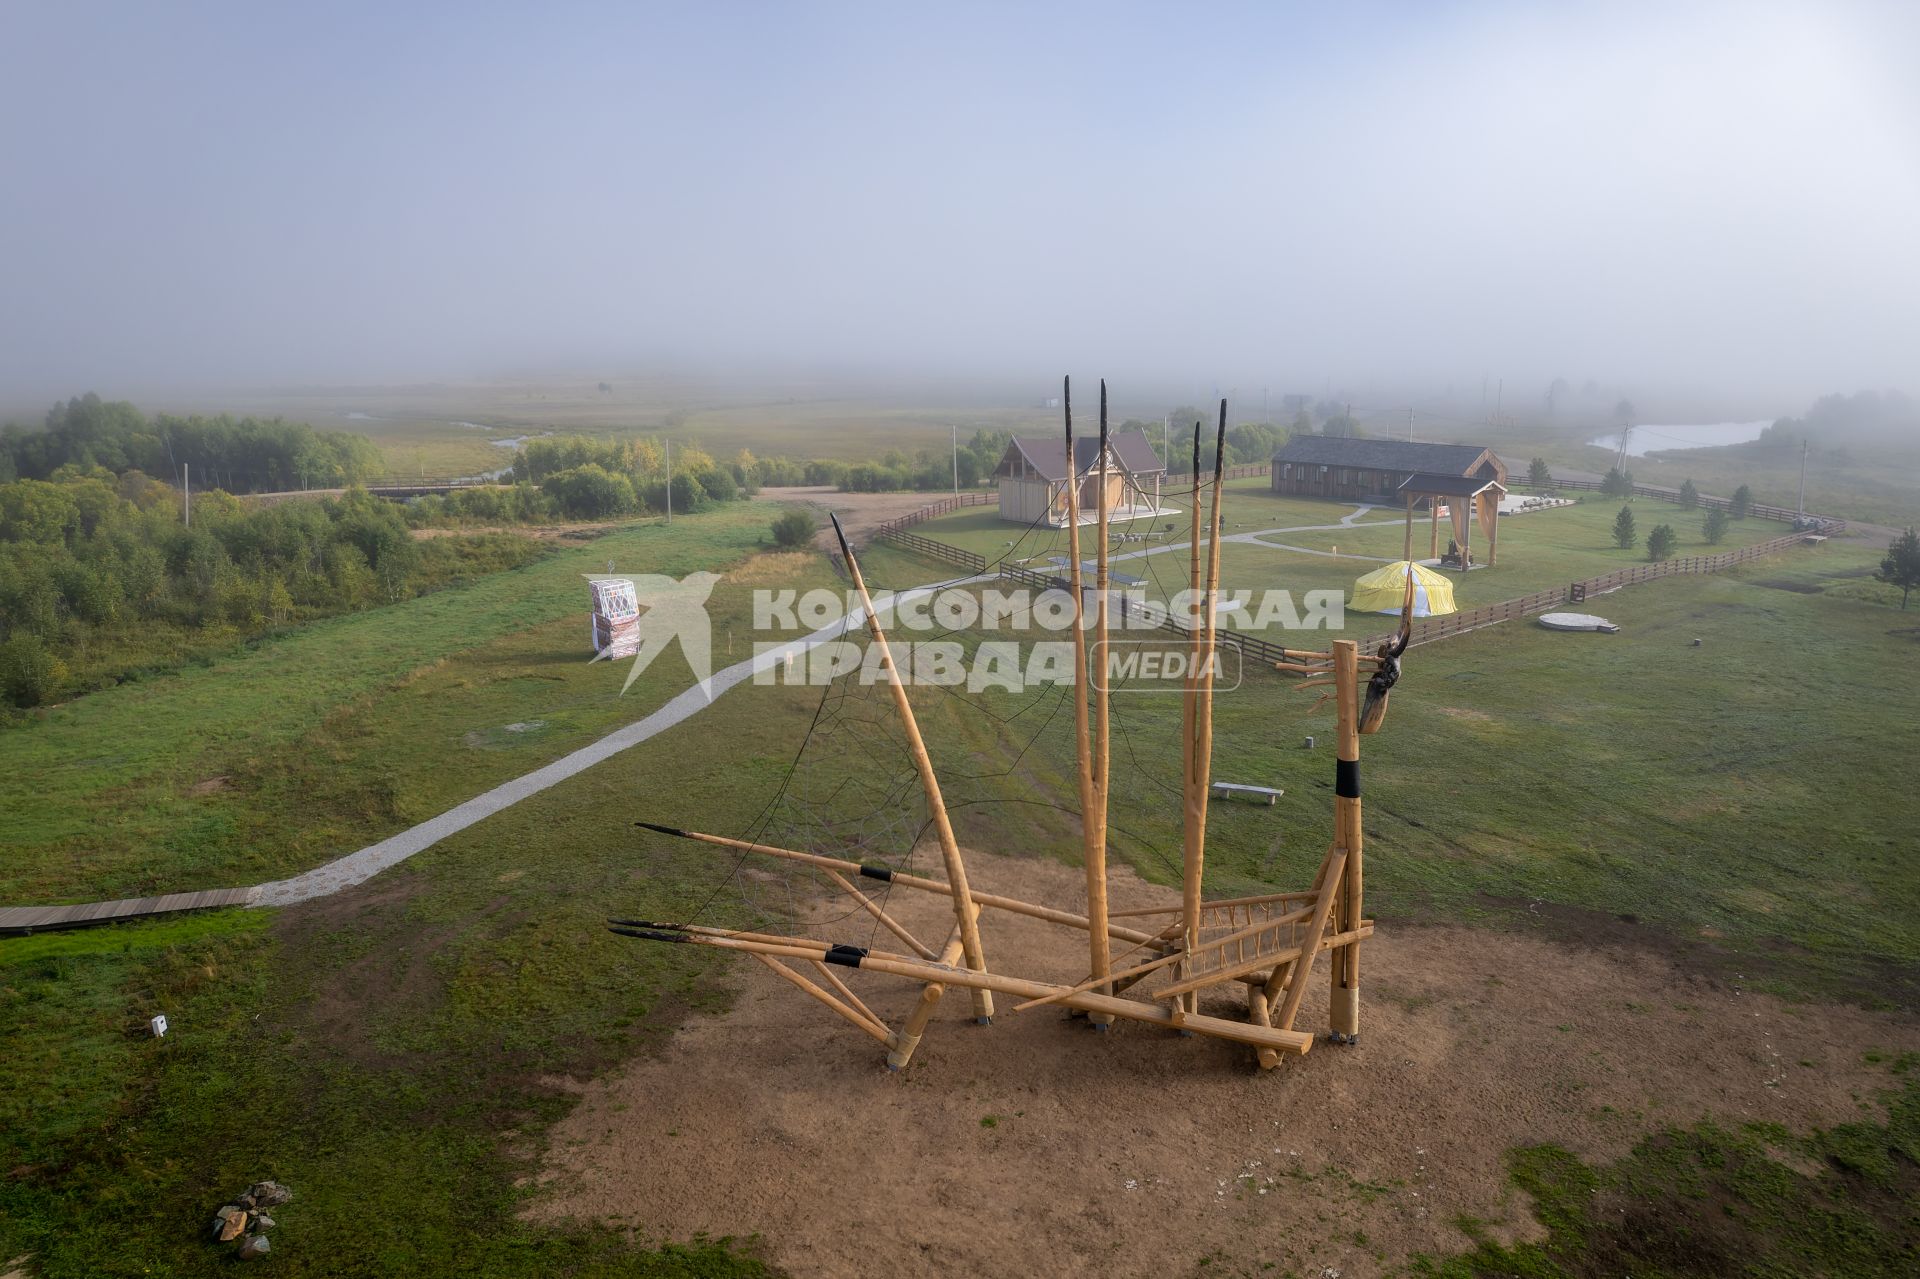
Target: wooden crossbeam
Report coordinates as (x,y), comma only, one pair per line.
(951,975)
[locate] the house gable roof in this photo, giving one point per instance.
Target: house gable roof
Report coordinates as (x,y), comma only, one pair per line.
(1047,455)
(1382,455)
(1449,485)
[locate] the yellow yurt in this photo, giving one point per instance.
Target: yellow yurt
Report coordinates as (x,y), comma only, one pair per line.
(1385,591)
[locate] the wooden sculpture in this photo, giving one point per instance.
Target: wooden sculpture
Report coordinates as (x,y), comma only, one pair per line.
(1267,943)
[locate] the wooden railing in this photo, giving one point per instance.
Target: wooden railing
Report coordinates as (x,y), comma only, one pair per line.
(1428,629)
(935,510)
(966,559)
(1826,524)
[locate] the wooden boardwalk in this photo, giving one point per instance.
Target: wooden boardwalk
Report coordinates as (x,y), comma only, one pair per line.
(19,920)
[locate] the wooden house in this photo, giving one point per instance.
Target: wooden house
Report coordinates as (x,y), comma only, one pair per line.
(1033,477)
(1355,470)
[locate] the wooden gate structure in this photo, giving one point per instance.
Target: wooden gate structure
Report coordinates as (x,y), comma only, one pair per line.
(1147,965)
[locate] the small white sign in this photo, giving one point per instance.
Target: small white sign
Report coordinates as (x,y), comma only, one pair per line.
(159,1025)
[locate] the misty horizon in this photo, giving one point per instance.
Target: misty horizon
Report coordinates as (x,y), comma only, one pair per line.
(1709,210)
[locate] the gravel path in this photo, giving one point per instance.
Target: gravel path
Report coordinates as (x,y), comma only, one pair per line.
(357,867)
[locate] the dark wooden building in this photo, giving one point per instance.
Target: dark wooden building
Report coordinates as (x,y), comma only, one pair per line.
(1352,469)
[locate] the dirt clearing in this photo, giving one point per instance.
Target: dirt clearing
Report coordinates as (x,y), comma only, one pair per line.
(1040,1146)
(860,513)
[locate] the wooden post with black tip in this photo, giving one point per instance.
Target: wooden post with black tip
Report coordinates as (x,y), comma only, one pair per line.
(1092,833)
(966,914)
(1344,998)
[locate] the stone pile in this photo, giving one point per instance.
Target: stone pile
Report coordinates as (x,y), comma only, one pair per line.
(246,1219)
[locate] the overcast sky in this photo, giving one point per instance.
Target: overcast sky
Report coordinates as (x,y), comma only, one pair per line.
(1719,197)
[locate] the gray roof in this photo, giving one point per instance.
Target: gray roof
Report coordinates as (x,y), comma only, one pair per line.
(1448,485)
(1047,454)
(1381,455)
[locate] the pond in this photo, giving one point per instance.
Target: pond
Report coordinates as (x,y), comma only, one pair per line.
(1651,439)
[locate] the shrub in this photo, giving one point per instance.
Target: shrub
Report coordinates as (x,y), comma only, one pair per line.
(1660,542)
(1714,527)
(590,491)
(28,672)
(1742,502)
(793,529)
(1689,495)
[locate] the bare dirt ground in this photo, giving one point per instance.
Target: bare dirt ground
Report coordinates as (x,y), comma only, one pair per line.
(1040,1146)
(860,513)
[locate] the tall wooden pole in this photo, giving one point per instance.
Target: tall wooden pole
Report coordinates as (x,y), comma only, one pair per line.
(1191,821)
(1102,962)
(1093,847)
(966,914)
(1407,554)
(1200,744)
(1344,1013)
(1433,508)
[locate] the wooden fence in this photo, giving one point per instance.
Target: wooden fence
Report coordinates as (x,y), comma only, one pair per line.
(1240,472)
(1425,630)
(1428,629)
(966,559)
(935,510)
(1706,501)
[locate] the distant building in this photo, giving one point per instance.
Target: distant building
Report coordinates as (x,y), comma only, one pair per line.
(1033,477)
(1352,469)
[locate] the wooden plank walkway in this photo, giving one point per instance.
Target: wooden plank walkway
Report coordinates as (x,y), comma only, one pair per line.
(20,920)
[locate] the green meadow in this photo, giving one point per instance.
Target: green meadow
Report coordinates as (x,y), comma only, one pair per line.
(397,1054)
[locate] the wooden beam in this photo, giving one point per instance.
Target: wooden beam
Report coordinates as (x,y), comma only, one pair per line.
(887,921)
(1012,905)
(964,910)
(1100,960)
(923,971)
(1344,997)
(872,1028)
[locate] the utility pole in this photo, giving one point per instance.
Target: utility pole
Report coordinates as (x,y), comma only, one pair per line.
(186,496)
(956,461)
(1409,424)
(669,444)
(1803,479)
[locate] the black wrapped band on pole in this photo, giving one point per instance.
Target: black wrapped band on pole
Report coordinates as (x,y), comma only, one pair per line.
(1346,778)
(880,873)
(846,956)
(649,934)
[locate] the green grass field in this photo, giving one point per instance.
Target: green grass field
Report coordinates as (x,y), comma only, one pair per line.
(1538,551)
(449,429)
(396,1055)
(255,764)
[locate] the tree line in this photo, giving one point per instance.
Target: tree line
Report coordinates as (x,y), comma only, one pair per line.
(101,578)
(239,455)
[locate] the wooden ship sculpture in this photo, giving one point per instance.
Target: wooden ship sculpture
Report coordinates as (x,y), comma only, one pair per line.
(1147,965)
